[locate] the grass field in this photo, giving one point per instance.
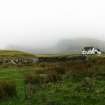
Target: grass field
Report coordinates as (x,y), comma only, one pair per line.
(7,53)
(15,74)
(82,83)
(69,91)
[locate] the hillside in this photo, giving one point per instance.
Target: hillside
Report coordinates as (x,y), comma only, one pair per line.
(63,46)
(76,45)
(11,53)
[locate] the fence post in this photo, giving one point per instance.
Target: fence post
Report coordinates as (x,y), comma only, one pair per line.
(29,92)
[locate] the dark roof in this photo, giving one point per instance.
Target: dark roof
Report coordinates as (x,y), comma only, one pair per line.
(88,48)
(98,49)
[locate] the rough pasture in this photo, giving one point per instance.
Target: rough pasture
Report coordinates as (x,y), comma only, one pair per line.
(62,58)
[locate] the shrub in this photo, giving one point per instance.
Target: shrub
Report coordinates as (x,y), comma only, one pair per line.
(53,77)
(7,89)
(88,84)
(60,69)
(33,79)
(40,71)
(39,79)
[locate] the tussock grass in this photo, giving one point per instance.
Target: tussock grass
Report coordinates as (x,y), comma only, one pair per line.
(7,89)
(60,83)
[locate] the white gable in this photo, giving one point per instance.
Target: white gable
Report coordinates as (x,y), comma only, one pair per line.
(90,50)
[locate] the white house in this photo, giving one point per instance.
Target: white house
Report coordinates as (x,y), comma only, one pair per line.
(91,51)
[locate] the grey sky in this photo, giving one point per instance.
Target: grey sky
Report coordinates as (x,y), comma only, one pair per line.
(44,22)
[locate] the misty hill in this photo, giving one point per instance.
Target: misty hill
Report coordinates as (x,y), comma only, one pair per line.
(63,46)
(75,45)
(32,49)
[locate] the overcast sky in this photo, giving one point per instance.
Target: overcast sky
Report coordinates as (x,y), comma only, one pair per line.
(44,22)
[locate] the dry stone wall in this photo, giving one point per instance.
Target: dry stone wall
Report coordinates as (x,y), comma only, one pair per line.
(18,60)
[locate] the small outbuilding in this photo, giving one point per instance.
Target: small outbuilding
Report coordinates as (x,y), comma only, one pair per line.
(91,51)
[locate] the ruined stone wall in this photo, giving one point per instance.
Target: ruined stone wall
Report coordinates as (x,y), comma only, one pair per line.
(18,60)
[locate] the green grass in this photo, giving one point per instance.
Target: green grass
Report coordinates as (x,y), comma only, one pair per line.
(69,91)
(16,74)
(7,53)
(57,55)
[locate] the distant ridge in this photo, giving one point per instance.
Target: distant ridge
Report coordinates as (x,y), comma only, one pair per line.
(75,45)
(13,53)
(63,46)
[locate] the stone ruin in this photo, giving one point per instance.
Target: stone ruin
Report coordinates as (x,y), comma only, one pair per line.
(18,60)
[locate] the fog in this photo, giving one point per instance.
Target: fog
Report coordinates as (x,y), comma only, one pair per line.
(43,23)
